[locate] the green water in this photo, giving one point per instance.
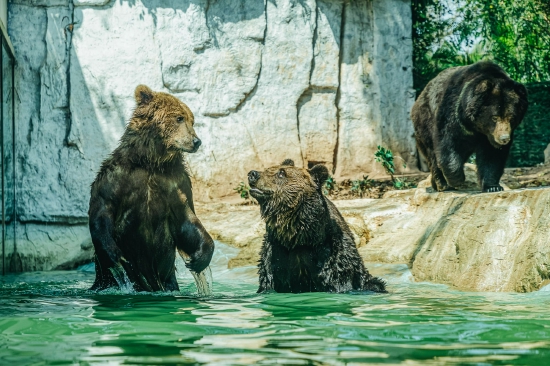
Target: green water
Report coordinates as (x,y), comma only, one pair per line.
(50,318)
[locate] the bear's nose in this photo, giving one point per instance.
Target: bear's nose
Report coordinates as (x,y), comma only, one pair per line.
(196,143)
(253,177)
(504,138)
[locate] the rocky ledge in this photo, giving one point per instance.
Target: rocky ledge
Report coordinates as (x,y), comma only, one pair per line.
(472,241)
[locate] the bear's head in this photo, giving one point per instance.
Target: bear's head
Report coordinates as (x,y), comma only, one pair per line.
(495,106)
(164,117)
(291,201)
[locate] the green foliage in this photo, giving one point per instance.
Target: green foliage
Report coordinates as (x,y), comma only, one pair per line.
(385,157)
(515,34)
(329,185)
(360,186)
(243,190)
(403,184)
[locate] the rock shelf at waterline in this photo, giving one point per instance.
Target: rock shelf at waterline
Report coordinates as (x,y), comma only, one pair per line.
(472,241)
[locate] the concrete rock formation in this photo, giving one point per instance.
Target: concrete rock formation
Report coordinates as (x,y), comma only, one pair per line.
(312,80)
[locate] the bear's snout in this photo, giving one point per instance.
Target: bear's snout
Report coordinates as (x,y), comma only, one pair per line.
(196,143)
(253,177)
(504,139)
(503,131)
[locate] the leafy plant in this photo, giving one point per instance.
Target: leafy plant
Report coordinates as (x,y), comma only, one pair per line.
(403,184)
(329,186)
(360,186)
(244,191)
(385,157)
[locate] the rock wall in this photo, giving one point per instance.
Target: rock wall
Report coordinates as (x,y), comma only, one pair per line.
(312,80)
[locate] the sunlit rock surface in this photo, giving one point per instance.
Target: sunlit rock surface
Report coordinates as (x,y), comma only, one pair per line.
(471,241)
(315,81)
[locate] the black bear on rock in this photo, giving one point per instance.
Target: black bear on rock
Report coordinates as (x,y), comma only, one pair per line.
(141,204)
(466,110)
(307,246)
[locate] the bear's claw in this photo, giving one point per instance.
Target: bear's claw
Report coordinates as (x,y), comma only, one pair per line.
(493,189)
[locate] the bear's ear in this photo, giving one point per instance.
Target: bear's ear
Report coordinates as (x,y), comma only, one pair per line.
(288,162)
(143,95)
(319,173)
(520,89)
(483,86)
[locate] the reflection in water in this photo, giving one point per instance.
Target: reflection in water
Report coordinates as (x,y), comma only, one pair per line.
(240,314)
(52,318)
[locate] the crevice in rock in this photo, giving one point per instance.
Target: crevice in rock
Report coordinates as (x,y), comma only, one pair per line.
(339,89)
(323,89)
(248,95)
(216,115)
(68,46)
(304,98)
(308,92)
(252,92)
(213,39)
(30,131)
(265,16)
(314,42)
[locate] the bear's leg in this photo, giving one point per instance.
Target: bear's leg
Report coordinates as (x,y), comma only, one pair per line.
(490,166)
(108,254)
(265,271)
(439,183)
(451,163)
(103,278)
(172,283)
(194,243)
(438,180)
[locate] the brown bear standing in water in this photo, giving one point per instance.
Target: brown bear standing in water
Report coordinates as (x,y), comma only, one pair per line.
(141,205)
(307,246)
(466,110)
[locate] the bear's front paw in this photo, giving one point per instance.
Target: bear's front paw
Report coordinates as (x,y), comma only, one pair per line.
(493,189)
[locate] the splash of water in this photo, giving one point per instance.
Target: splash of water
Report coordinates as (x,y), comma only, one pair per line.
(122,279)
(203,281)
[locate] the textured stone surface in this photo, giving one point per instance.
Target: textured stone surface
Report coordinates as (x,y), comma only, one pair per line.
(266,79)
(375,86)
(472,241)
(90,2)
(44,247)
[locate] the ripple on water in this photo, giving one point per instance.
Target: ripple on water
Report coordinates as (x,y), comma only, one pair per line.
(52,318)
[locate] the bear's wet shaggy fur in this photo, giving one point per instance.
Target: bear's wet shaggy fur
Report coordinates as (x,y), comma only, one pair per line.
(307,246)
(466,110)
(141,204)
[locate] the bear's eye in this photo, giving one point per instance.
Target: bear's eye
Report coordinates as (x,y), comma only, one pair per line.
(281,173)
(180,119)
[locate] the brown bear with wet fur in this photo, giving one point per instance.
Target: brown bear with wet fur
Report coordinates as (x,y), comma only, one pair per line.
(466,110)
(141,204)
(307,246)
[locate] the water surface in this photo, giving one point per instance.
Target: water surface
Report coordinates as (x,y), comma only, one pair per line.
(51,318)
